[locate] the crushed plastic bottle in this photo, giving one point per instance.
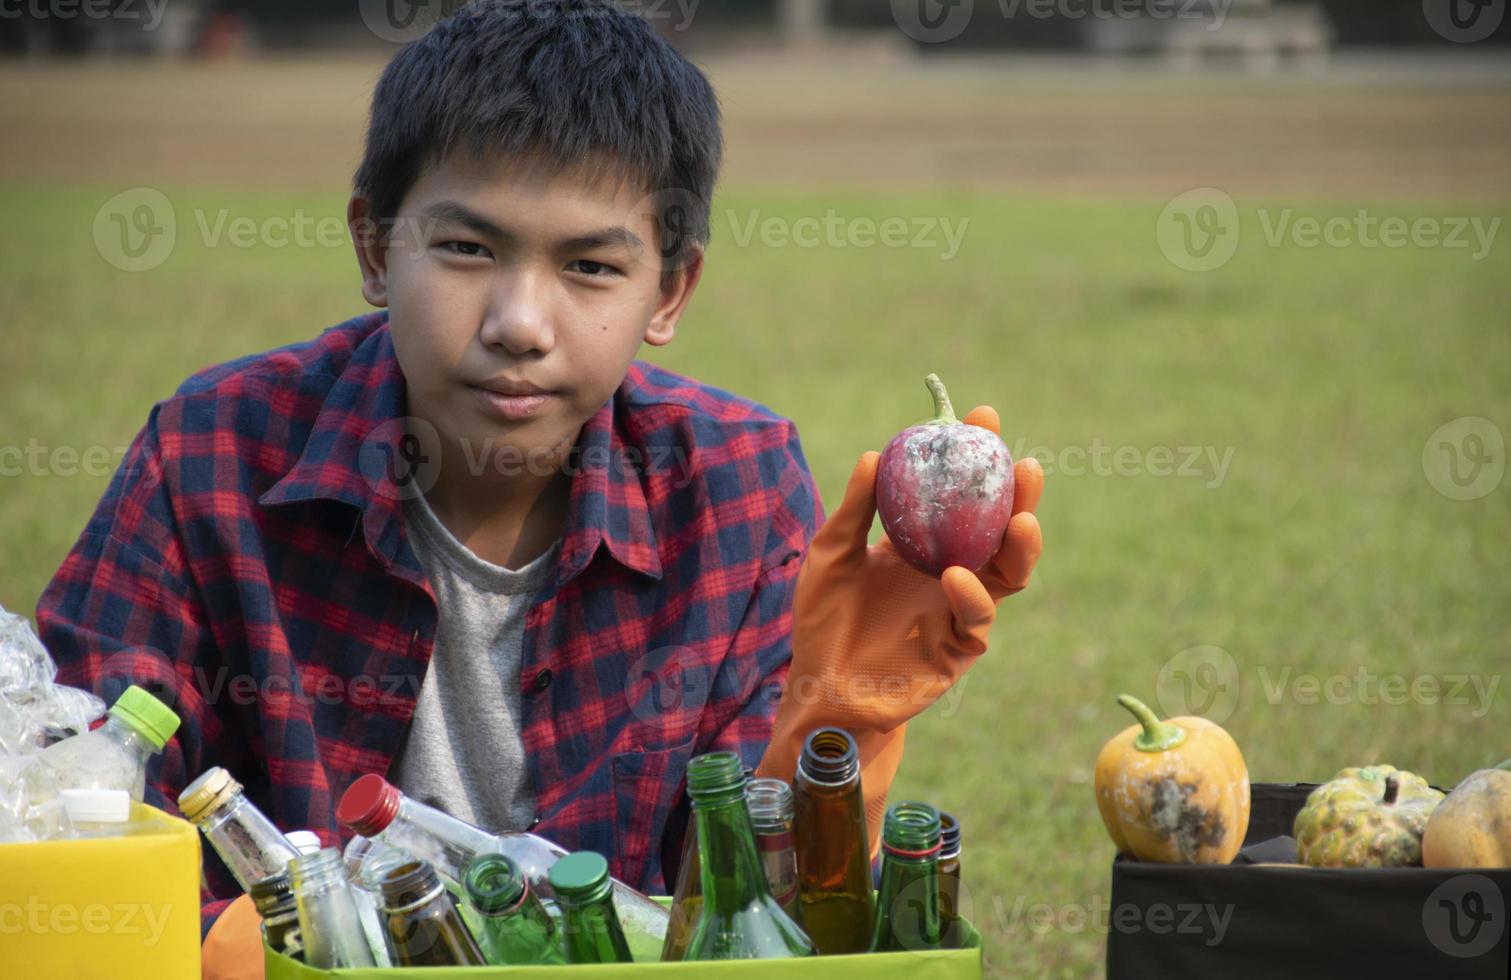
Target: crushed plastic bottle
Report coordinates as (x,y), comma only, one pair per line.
(34,712)
(115,755)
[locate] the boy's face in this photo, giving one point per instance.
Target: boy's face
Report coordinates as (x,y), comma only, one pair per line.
(499,278)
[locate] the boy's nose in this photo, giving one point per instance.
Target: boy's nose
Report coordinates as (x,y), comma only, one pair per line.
(518,317)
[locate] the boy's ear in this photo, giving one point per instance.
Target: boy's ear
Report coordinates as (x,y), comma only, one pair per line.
(677,288)
(372,252)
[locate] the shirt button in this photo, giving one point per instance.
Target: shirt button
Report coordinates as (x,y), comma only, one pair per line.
(542,681)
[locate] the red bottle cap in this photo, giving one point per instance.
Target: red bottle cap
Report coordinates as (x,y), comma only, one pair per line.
(369,805)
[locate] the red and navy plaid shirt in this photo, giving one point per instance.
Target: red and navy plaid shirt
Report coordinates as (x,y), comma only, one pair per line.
(249,562)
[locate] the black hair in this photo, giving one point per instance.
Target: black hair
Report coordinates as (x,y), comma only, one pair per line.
(584,86)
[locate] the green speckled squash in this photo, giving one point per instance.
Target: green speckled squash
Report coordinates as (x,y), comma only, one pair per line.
(1367,817)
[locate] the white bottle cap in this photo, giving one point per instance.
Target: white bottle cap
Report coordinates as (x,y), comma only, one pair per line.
(97,805)
(304,841)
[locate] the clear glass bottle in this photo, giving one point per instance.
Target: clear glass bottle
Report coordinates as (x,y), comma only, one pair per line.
(364,860)
(373,807)
(513,926)
(907,904)
(590,927)
(833,862)
(274,898)
(329,927)
(740,919)
(423,925)
(771,815)
(949,870)
(246,840)
(115,755)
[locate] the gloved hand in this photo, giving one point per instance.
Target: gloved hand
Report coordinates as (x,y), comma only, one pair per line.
(875,641)
(233,947)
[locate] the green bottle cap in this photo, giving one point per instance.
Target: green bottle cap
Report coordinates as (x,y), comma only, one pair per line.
(154,720)
(579,875)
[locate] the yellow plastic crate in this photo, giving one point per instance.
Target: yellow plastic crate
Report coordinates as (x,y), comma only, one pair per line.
(121,908)
(944,964)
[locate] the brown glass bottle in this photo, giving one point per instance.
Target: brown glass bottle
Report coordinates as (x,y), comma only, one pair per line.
(421,920)
(834,869)
(687,901)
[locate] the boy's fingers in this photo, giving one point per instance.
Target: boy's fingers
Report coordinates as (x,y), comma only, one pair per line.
(1028,485)
(1021,547)
(984,416)
(849,527)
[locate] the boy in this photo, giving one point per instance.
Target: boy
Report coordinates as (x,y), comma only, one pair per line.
(471,542)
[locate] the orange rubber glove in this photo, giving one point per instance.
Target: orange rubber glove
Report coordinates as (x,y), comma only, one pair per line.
(233,947)
(875,641)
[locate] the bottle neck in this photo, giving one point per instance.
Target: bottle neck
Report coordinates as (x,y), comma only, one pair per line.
(731,870)
(251,847)
(129,738)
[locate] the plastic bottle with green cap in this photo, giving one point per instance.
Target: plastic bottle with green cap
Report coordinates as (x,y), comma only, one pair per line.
(590,929)
(115,755)
(514,927)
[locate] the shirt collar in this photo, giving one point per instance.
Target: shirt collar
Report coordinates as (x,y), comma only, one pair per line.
(360,428)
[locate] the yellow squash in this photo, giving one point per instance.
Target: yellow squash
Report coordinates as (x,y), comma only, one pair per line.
(1472,827)
(1173,791)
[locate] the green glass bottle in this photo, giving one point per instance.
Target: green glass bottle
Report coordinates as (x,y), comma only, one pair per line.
(590,927)
(833,859)
(514,927)
(740,919)
(687,900)
(907,904)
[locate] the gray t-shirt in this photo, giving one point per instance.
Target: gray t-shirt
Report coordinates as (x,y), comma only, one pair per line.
(463,753)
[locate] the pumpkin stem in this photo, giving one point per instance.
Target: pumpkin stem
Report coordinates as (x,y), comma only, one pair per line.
(944,412)
(1392,787)
(1157,735)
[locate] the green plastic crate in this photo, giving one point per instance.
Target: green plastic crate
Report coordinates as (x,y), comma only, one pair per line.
(945,964)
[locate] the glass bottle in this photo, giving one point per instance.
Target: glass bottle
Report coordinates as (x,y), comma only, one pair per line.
(687,896)
(274,898)
(740,919)
(375,808)
(365,860)
(246,840)
(514,926)
(328,925)
(591,932)
(422,922)
(771,815)
(907,904)
(833,865)
(949,869)
(115,755)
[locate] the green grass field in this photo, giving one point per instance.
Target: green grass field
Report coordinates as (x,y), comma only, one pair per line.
(1320,547)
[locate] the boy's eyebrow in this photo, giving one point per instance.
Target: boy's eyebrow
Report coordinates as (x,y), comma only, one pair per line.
(453,211)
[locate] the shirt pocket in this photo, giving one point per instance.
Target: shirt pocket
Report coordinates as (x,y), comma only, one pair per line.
(647,786)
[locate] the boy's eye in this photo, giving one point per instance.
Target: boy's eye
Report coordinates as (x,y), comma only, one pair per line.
(590,268)
(466,248)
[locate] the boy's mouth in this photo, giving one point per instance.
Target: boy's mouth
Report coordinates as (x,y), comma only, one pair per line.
(512,401)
